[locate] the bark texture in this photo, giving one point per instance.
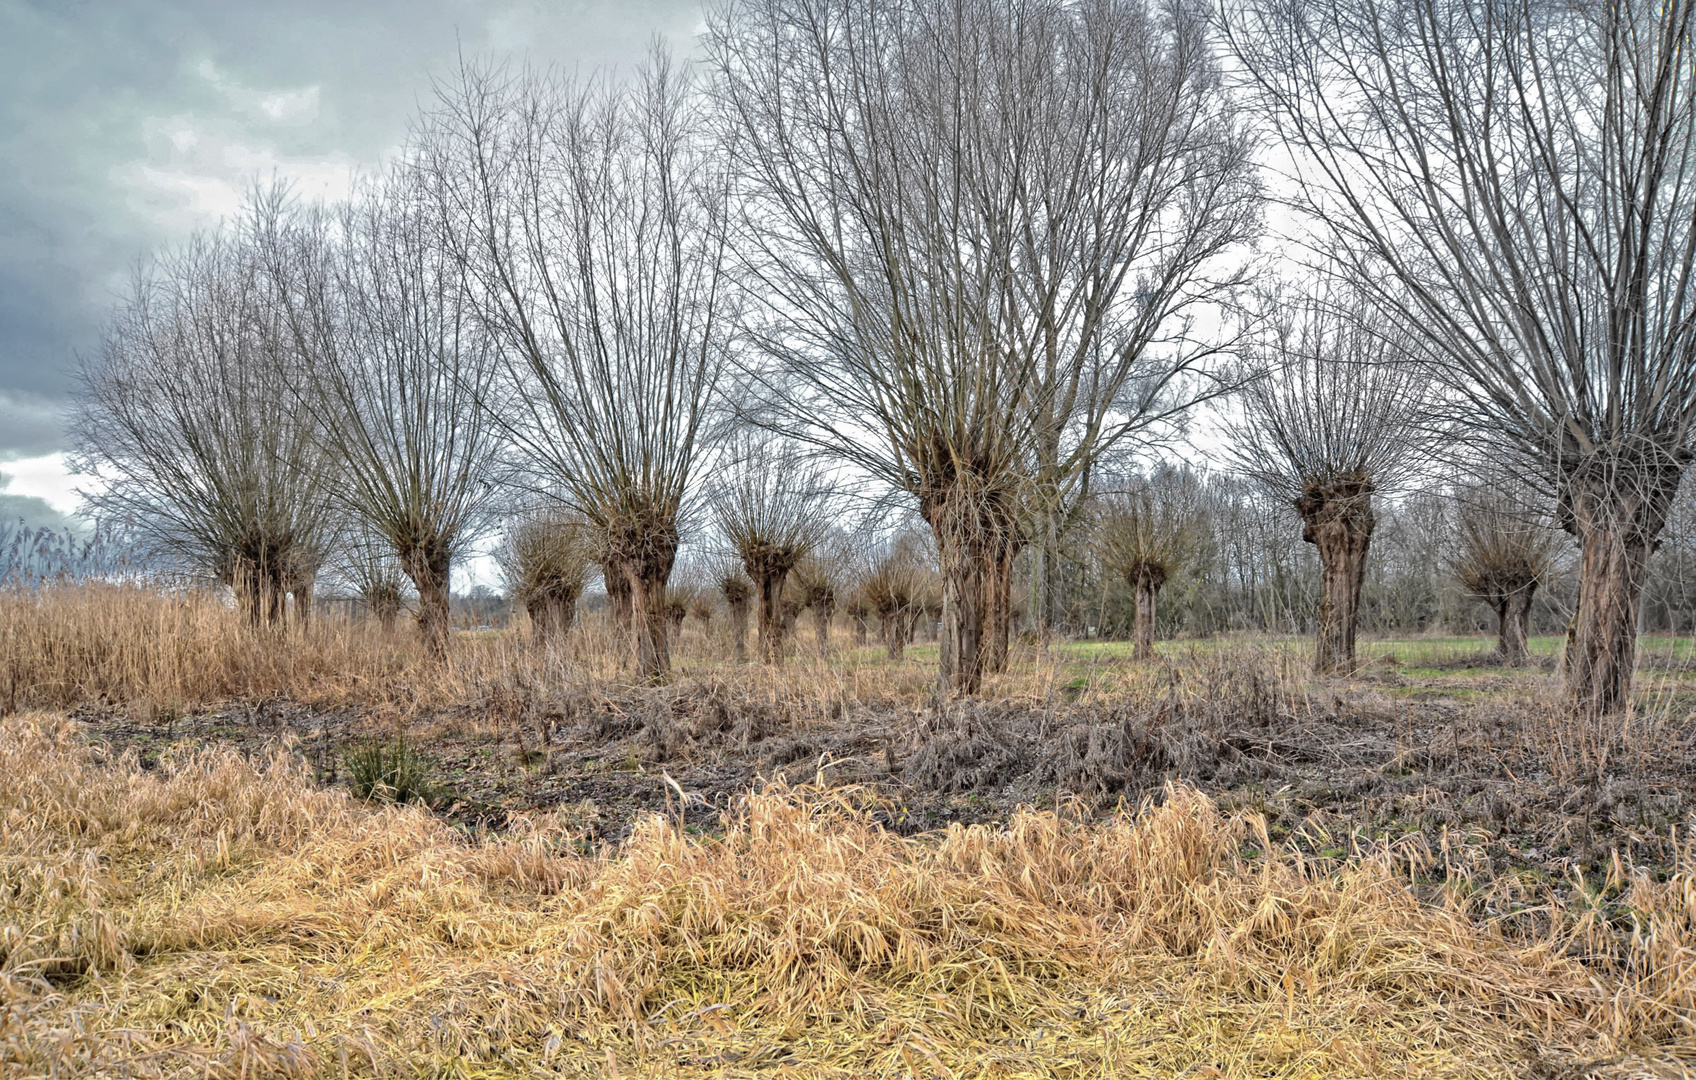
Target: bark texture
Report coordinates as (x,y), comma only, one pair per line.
(1513,625)
(1616,510)
(1147,579)
(428,566)
(1338,520)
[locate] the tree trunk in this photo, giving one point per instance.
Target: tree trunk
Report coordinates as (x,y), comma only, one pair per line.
(768,585)
(428,568)
(822,612)
(859,620)
(1616,510)
(1147,581)
(1601,647)
(620,598)
(739,628)
(651,617)
(998,610)
(894,632)
(303,604)
(551,616)
(1339,522)
(961,635)
(274,597)
(1513,620)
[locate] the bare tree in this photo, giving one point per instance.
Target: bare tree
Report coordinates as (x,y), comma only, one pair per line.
(1504,551)
(973,222)
(545,559)
(891,589)
(1511,179)
(398,371)
(1148,528)
(589,218)
(772,509)
(187,421)
(1337,417)
(368,566)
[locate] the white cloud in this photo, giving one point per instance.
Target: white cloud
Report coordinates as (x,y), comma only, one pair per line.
(46,478)
(198,170)
(296,106)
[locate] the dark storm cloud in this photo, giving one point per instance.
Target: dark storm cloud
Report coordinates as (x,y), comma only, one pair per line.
(125,125)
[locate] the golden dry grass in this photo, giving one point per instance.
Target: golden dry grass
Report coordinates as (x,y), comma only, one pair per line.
(65,645)
(227,919)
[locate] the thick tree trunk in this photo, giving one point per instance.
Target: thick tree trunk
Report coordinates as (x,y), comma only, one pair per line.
(1339,523)
(1601,647)
(551,616)
(245,582)
(274,597)
(1616,510)
(894,632)
(768,586)
(739,627)
(1513,620)
(387,612)
(429,568)
(961,633)
(650,614)
(1147,581)
(302,595)
(998,610)
(620,599)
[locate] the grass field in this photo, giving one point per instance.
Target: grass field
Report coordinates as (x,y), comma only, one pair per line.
(1209,865)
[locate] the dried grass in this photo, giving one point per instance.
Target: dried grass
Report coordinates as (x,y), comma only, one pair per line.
(224,918)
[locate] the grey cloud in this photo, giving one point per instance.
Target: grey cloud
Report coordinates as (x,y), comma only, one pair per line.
(123,125)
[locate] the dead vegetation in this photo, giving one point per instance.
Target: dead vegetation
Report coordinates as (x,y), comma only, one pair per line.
(225,917)
(1433,874)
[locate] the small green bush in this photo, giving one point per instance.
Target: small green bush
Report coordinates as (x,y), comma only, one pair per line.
(389,771)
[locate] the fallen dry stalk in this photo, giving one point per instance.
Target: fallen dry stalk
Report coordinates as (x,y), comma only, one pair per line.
(224,918)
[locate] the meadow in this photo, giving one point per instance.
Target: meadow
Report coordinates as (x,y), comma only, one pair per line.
(319,854)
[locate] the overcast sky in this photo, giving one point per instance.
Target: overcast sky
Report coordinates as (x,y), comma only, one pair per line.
(127,124)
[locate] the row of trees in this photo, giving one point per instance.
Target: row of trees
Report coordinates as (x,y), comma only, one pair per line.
(963,251)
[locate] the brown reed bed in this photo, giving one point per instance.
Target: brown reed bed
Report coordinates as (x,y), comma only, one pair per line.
(224,917)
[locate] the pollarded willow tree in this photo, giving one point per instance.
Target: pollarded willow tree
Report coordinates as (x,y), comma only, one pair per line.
(1147,529)
(773,509)
(1338,416)
(187,421)
(978,227)
(1511,179)
(588,218)
(545,559)
(1504,550)
(397,370)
